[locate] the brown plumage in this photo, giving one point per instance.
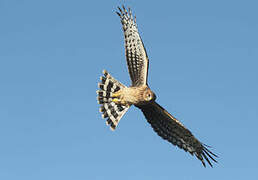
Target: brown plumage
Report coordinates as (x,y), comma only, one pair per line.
(115,98)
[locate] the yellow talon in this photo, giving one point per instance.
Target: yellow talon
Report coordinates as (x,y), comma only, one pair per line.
(116,94)
(116,100)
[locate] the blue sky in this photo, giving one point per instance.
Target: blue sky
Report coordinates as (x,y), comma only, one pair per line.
(203,68)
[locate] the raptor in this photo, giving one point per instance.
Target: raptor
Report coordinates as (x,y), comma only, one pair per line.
(116,98)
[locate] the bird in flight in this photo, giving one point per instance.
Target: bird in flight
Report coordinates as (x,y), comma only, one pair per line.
(116,98)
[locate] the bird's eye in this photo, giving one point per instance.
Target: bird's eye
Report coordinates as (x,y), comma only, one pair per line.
(148,96)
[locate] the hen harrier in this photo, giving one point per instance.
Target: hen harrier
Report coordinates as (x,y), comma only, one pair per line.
(115,98)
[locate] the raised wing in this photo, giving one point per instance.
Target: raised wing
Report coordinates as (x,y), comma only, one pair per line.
(136,56)
(170,129)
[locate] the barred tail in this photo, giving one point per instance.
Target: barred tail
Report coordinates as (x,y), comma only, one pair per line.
(109,109)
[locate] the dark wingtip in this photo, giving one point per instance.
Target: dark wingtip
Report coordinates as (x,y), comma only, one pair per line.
(206,153)
(203,163)
(207,159)
(210,151)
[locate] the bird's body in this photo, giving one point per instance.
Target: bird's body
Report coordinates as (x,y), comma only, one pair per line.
(115,98)
(133,95)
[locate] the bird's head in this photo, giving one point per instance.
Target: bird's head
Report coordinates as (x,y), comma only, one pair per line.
(148,95)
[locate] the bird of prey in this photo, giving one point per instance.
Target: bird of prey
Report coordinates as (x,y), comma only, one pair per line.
(115,98)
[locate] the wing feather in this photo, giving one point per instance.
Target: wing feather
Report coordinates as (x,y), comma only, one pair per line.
(136,55)
(170,129)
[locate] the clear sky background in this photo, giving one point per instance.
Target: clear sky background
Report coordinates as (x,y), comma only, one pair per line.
(203,68)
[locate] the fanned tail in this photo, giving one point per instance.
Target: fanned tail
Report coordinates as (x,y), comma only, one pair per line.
(109,109)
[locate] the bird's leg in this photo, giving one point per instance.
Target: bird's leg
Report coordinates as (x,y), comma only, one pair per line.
(116,97)
(116,94)
(116,100)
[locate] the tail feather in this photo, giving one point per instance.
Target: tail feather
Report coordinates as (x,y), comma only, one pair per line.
(110,110)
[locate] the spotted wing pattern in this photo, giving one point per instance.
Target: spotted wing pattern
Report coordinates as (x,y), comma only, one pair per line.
(113,112)
(170,129)
(136,56)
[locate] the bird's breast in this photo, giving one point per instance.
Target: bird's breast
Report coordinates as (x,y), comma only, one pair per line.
(132,95)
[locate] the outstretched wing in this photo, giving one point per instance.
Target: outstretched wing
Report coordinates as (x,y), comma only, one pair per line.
(136,56)
(170,129)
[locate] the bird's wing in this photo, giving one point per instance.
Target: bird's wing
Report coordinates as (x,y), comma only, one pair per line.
(136,55)
(170,129)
